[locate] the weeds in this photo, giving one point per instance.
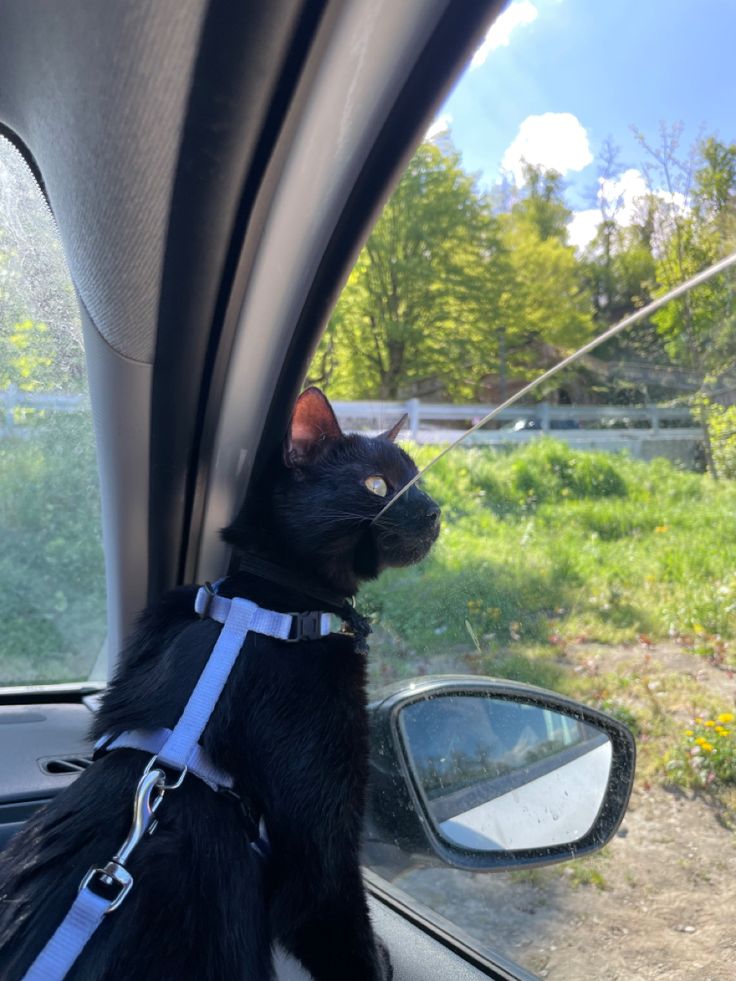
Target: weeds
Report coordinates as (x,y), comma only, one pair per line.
(546,544)
(705,754)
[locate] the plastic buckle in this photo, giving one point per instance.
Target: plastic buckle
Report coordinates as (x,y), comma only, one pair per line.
(306,626)
(111,875)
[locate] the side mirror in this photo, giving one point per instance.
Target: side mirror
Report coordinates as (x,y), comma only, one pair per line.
(493,775)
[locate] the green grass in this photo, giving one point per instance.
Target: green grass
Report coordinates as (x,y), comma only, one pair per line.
(547,554)
(545,542)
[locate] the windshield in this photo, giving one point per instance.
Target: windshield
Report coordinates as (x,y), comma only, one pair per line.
(583,168)
(52,618)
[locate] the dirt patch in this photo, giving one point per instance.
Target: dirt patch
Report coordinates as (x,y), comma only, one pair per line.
(659,660)
(658,902)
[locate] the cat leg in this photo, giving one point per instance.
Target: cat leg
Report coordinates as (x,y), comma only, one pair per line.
(330,931)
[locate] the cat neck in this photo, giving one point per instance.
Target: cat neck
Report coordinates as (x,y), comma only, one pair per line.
(309,588)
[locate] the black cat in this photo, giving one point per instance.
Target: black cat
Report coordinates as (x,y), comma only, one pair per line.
(290,728)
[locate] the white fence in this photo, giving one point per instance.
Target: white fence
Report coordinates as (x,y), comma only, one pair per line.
(428,417)
(645,431)
(14,398)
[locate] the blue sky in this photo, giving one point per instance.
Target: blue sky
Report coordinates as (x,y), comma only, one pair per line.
(557,77)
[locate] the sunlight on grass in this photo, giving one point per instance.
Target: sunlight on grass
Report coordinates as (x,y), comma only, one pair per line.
(549,561)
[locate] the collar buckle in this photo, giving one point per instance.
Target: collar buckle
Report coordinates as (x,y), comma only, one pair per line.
(306,626)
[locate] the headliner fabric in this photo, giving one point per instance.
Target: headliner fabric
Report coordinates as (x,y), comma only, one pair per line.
(61,81)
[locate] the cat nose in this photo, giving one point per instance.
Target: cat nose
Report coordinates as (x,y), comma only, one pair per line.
(433,515)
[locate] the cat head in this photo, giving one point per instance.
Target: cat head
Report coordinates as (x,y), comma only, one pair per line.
(320,508)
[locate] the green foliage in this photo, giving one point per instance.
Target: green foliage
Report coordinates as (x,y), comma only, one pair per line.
(446,291)
(721,425)
(423,291)
(52,620)
(545,543)
(516,483)
(26,357)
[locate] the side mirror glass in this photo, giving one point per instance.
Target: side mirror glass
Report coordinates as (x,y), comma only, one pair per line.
(492,774)
(496,775)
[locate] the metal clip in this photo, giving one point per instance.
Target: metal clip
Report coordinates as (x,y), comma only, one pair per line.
(114,875)
(166,786)
(203,597)
(143,810)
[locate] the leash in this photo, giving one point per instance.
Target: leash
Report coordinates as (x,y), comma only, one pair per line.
(104,888)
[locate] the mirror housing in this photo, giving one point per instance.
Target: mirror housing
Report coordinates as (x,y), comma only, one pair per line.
(489,803)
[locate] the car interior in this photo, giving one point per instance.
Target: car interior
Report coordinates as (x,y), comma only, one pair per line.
(213,169)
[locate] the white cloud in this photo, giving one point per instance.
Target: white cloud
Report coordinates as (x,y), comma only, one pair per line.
(582,227)
(517,14)
(555,140)
(622,196)
(439,127)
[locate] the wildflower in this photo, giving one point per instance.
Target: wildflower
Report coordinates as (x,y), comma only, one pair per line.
(709,723)
(707,748)
(689,732)
(726,717)
(700,740)
(661,529)
(723,732)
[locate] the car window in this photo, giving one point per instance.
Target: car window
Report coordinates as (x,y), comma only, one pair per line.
(576,173)
(52,618)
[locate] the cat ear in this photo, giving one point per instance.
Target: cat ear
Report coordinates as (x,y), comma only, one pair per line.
(394,431)
(312,423)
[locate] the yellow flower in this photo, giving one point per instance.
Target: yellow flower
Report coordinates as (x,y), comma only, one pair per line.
(700,740)
(706,747)
(689,732)
(726,717)
(722,732)
(709,723)
(661,529)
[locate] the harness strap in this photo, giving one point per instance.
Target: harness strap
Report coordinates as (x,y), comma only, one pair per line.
(178,749)
(242,616)
(153,740)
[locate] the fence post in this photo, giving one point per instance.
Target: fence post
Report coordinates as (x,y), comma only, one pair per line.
(412,407)
(654,419)
(544,406)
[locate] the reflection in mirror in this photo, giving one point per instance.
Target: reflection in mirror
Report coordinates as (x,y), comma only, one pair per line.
(497,774)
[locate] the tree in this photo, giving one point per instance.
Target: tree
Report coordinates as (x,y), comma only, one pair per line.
(40,332)
(447,291)
(551,309)
(423,296)
(700,329)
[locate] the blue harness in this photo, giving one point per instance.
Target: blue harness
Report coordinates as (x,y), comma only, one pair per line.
(103,889)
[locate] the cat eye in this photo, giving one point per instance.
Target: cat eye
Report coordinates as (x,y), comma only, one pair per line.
(376,485)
